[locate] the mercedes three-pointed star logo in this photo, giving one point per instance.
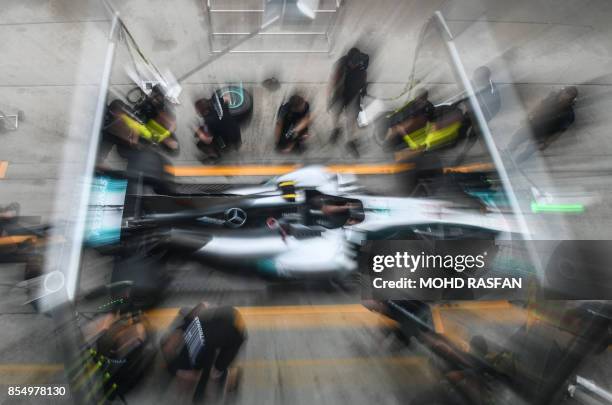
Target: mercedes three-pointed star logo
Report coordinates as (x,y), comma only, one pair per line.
(235,217)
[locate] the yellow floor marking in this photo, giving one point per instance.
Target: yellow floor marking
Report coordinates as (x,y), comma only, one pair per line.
(371,169)
(28,374)
(3,168)
(457,319)
(463,305)
(453,320)
(24,368)
(290,317)
(297,369)
(244,170)
(277,170)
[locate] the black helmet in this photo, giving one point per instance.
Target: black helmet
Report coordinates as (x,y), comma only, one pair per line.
(357,59)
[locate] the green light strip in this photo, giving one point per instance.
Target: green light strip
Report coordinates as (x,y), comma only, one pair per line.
(562,208)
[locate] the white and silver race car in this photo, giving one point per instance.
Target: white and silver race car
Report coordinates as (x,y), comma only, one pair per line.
(307,223)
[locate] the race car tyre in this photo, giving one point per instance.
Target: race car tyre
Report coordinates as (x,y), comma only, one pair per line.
(241,104)
(136,96)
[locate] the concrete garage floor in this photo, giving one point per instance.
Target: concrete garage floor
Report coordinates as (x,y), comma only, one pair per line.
(52,57)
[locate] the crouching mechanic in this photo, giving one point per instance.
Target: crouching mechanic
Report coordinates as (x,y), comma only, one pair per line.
(202,343)
(292,122)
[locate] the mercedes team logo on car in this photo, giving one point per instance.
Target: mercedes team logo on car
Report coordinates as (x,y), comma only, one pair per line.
(235,217)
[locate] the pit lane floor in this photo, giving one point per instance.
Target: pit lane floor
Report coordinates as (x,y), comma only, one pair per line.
(307,341)
(545,48)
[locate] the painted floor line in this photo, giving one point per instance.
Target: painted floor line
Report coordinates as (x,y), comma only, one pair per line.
(3,168)
(25,368)
(52,368)
(277,170)
(290,317)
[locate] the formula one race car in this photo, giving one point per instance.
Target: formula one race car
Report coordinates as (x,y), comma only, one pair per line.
(308,223)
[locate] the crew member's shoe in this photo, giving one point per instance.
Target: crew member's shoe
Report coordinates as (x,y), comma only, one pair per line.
(228,381)
(335,135)
(353,148)
(171,145)
(299,148)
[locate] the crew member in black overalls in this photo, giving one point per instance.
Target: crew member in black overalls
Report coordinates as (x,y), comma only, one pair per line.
(292,122)
(206,340)
(218,129)
(347,83)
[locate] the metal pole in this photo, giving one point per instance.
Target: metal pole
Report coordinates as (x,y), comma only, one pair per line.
(58,300)
(489,141)
(74,255)
(331,27)
(210,27)
(590,387)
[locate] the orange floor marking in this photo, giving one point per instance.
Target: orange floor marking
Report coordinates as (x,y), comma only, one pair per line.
(277,170)
(3,168)
(290,317)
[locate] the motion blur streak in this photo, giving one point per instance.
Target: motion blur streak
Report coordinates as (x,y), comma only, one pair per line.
(211,240)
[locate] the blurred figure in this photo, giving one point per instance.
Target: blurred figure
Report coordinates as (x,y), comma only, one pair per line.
(205,142)
(486,92)
(464,381)
(489,101)
(121,127)
(204,343)
(553,115)
(9,212)
(347,83)
(155,108)
(219,129)
(292,122)
(122,352)
(21,243)
(333,212)
(447,125)
(147,122)
(411,118)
